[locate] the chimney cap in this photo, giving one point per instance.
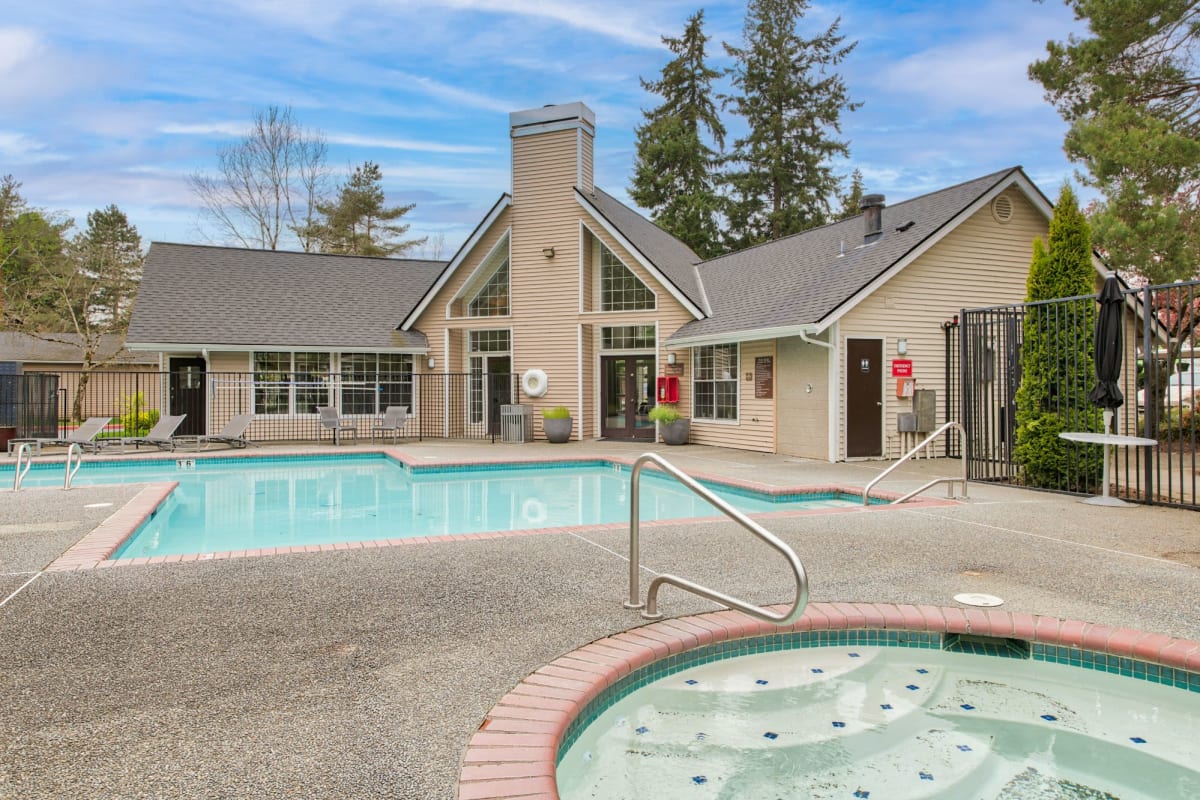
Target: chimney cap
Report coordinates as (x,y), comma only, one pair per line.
(871,201)
(553,117)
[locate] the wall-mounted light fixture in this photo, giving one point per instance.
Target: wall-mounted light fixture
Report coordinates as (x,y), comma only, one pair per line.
(431,363)
(902,346)
(548,252)
(671,359)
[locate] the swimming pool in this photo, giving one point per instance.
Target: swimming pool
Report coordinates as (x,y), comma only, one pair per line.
(250,503)
(853,700)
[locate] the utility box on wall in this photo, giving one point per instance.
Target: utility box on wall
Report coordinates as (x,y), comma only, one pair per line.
(925,408)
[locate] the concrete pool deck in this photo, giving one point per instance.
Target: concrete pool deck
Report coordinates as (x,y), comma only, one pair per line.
(365,672)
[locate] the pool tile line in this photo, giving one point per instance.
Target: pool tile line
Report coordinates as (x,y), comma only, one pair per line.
(514,753)
(103,540)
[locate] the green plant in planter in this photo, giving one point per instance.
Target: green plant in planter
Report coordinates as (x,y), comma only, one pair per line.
(556,412)
(665,414)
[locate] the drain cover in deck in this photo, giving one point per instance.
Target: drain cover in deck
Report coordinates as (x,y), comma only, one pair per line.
(976,599)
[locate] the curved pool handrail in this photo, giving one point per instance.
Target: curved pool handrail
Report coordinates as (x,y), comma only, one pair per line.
(962,443)
(24,453)
(651,605)
(76,451)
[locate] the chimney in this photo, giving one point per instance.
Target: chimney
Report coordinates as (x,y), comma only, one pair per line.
(871,206)
(556,138)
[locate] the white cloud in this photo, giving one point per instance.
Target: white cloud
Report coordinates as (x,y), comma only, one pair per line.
(606,19)
(405,144)
(17,45)
(227,129)
(21,149)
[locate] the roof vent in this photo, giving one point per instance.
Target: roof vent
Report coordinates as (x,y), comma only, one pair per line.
(871,206)
(1002,208)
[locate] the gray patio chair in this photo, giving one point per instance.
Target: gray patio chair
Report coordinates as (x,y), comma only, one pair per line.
(333,421)
(393,421)
(233,434)
(162,435)
(84,436)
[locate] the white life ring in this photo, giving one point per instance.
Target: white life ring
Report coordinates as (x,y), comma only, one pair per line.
(534,511)
(534,383)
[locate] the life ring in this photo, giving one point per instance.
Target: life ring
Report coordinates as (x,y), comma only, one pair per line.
(534,383)
(534,511)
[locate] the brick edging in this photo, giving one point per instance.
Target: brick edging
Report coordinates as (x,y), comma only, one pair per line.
(513,754)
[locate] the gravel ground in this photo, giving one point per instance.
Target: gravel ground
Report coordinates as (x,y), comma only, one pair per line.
(362,673)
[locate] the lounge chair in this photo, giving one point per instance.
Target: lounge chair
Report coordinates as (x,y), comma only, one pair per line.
(233,434)
(394,419)
(84,436)
(333,421)
(162,435)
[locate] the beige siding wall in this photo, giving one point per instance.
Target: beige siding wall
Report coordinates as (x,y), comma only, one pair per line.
(106,390)
(755,426)
(802,392)
(980,263)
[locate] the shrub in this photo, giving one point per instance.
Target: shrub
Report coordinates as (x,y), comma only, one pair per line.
(1178,424)
(135,421)
(665,414)
(556,412)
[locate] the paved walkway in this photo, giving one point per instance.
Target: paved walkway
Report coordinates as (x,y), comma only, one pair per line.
(364,673)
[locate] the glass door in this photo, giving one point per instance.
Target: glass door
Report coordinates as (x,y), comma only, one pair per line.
(627,387)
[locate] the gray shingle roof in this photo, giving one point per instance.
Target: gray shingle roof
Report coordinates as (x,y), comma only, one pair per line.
(67,348)
(801,279)
(674,259)
(193,294)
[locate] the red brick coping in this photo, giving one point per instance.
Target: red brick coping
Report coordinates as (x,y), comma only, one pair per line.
(93,550)
(514,752)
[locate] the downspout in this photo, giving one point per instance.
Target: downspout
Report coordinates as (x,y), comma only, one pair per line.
(804,338)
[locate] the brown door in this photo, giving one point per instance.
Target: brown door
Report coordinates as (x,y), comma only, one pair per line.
(864,398)
(187,394)
(627,387)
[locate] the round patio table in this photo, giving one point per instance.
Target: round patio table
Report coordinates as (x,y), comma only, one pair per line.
(1106,439)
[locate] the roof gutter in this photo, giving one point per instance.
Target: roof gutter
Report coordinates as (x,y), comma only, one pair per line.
(804,338)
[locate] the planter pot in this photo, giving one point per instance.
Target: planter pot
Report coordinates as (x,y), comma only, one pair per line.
(558,430)
(675,432)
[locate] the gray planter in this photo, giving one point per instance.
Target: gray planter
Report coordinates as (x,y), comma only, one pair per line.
(558,430)
(675,432)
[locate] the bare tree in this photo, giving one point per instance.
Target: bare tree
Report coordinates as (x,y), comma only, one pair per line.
(268,184)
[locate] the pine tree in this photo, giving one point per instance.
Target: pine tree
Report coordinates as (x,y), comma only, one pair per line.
(851,199)
(674,167)
(1056,355)
(357,222)
(110,251)
(781,181)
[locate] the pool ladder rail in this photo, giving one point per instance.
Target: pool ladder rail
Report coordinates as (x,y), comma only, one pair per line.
(25,456)
(650,607)
(962,441)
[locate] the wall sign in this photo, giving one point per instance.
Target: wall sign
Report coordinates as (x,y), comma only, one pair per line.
(764,377)
(902,368)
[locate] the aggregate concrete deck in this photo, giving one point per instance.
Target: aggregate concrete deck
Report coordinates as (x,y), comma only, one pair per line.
(363,673)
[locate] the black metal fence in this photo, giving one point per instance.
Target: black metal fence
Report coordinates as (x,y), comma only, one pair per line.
(441,405)
(1160,381)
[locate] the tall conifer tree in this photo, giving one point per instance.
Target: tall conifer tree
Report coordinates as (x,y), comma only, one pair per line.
(780,179)
(358,223)
(675,166)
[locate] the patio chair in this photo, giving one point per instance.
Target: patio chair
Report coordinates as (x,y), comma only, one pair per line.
(394,419)
(84,436)
(333,421)
(162,435)
(233,434)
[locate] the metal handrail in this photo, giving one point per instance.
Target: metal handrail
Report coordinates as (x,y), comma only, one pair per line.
(651,604)
(70,473)
(23,452)
(962,438)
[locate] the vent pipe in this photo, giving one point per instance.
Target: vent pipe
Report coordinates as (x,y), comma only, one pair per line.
(871,206)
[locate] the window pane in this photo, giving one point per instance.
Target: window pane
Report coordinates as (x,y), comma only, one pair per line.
(395,380)
(489,341)
(620,289)
(311,374)
(716,382)
(492,300)
(627,337)
(272,373)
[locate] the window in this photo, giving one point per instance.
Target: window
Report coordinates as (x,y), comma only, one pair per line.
(492,299)
(290,383)
(488,354)
(373,381)
(488,341)
(620,289)
(715,383)
(627,337)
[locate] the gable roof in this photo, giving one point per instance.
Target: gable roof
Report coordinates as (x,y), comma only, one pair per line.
(674,260)
(807,280)
(200,296)
(66,348)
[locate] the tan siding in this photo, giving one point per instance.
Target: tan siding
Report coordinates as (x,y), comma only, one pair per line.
(803,412)
(980,263)
(471,262)
(107,389)
(588,163)
(755,426)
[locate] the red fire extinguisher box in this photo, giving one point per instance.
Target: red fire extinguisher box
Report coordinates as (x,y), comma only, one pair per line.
(668,389)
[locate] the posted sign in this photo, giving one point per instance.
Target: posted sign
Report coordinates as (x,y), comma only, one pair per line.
(902,368)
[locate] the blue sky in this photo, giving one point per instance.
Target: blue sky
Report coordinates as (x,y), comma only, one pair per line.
(119,102)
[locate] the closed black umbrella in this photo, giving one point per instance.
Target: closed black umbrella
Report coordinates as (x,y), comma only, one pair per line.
(1109,351)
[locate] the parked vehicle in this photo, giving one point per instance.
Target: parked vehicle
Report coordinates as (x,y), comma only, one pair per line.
(1182,391)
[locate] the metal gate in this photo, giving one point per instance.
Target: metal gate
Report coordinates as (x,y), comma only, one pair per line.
(1160,381)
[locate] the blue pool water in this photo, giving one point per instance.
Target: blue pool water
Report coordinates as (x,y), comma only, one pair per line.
(250,503)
